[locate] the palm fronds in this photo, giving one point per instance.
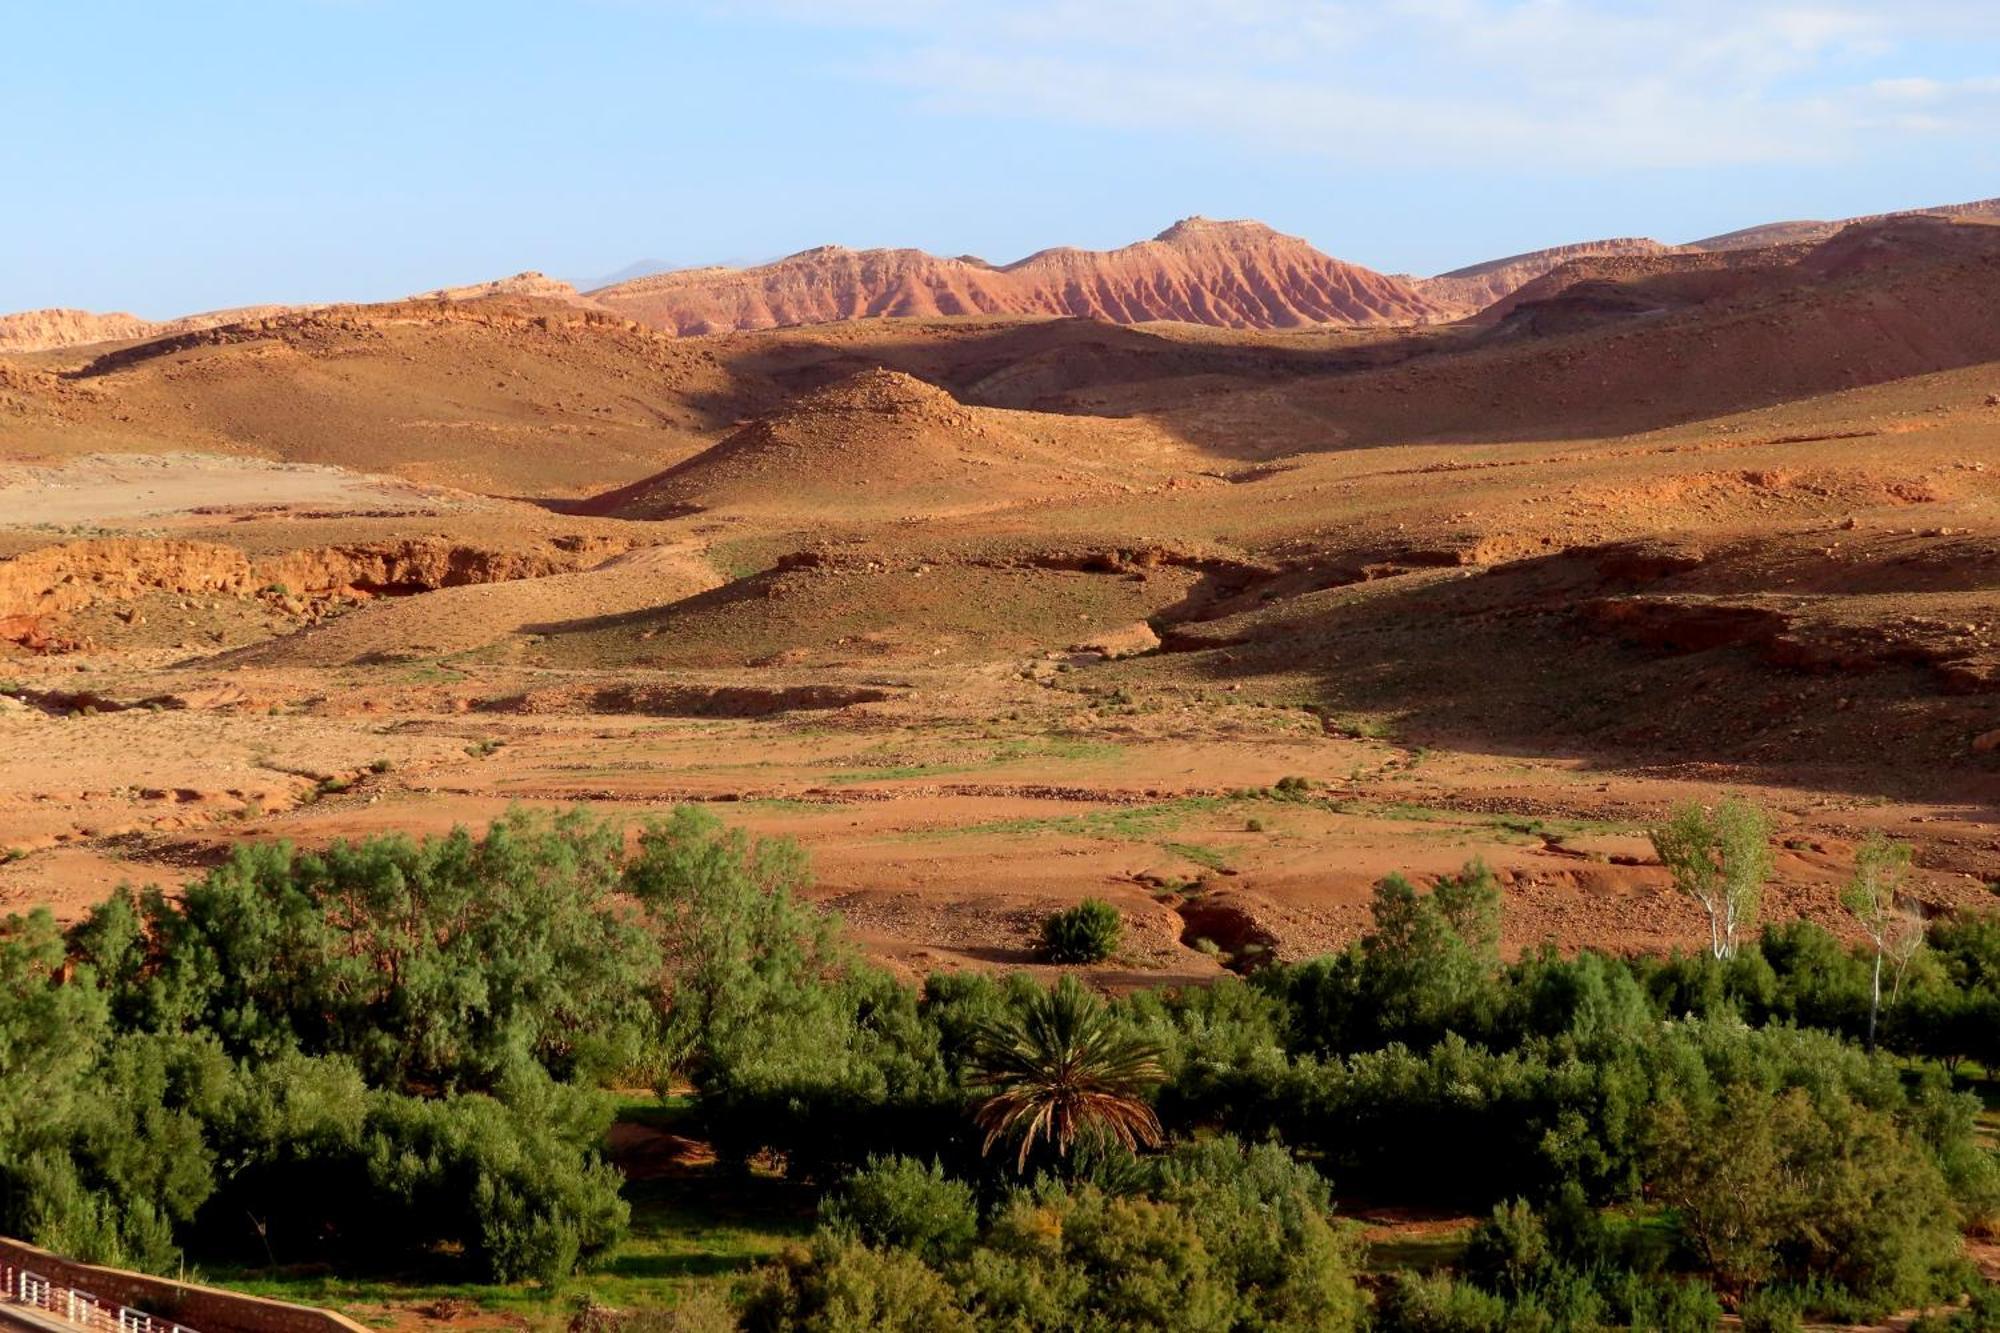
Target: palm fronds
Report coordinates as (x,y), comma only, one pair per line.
(1061,1070)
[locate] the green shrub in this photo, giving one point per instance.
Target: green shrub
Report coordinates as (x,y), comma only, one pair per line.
(1782,1185)
(903,1204)
(1083,1259)
(1980,1314)
(841,1286)
(1433,1303)
(1087,933)
(1267,1222)
(1509,1249)
(1652,1304)
(1768,1311)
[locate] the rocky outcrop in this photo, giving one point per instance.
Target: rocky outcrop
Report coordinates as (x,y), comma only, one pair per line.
(56,580)
(47,330)
(526,283)
(41,330)
(1230,274)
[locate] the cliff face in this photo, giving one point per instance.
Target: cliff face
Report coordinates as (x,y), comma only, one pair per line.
(1231,274)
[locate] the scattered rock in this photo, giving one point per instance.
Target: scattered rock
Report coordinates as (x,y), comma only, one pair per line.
(1128,641)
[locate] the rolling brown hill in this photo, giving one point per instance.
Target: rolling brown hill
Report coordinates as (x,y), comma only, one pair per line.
(1792,233)
(1879,302)
(1477,287)
(514,395)
(883,442)
(1232,274)
(1466,291)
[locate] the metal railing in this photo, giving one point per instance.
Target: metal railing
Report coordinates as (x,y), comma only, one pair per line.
(18,1286)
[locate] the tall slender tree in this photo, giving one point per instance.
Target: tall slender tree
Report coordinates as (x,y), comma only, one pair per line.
(1720,858)
(1880,868)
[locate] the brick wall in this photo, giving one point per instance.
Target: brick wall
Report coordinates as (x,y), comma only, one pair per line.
(202,1309)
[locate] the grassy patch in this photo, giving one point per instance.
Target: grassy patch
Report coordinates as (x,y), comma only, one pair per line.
(1521,828)
(896,772)
(1006,752)
(1208,857)
(1135,823)
(786,805)
(428,673)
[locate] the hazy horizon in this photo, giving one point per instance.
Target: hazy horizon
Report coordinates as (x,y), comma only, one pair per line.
(229,153)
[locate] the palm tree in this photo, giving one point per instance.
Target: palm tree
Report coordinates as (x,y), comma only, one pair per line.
(1063,1069)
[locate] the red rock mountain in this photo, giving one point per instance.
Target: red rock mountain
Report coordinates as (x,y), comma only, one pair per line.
(1233,274)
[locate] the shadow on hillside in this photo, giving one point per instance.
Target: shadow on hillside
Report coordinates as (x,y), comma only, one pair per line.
(1505,661)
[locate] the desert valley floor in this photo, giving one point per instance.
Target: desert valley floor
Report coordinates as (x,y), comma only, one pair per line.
(998,613)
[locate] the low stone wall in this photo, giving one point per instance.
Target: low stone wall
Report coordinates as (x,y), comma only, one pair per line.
(202,1309)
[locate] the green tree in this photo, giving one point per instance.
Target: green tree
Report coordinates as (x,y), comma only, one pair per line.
(443,963)
(1431,958)
(743,955)
(1880,867)
(1779,1183)
(1720,858)
(1064,1068)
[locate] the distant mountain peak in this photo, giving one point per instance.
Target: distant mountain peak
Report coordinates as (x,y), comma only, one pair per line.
(1234,274)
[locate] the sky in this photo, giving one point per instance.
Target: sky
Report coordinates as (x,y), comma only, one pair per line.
(164,158)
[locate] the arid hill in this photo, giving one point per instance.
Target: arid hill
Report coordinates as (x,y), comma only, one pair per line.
(525,283)
(995,613)
(1628,284)
(1231,274)
(1878,302)
(885,442)
(1477,287)
(46,330)
(1792,233)
(515,395)
(1466,291)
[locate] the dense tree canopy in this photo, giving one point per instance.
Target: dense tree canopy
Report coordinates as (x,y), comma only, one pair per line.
(397,1048)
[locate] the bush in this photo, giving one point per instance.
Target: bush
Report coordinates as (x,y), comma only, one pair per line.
(516,1180)
(1784,1185)
(1654,1305)
(1087,933)
(842,1286)
(1267,1222)
(1509,1249)
(1433,1303)
(1767,1311)
(902,1204)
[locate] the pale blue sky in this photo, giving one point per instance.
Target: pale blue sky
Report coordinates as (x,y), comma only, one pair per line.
(170,157)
